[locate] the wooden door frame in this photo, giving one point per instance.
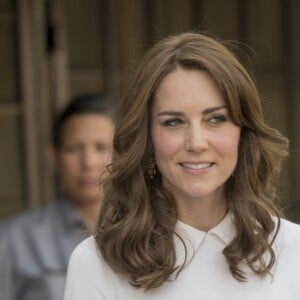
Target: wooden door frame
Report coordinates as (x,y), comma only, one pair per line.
(44,89)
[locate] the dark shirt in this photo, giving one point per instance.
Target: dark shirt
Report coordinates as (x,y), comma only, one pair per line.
(34,251)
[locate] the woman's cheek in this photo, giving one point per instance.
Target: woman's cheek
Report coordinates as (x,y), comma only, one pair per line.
(166,145)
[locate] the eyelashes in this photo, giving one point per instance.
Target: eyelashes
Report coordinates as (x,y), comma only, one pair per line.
(211,120)
(216,119)
(172,122)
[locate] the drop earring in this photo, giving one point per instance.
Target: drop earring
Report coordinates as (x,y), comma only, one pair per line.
(151,168)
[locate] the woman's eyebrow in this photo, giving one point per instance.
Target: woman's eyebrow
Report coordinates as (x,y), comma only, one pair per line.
(213,109)
(170,113)
(178,113)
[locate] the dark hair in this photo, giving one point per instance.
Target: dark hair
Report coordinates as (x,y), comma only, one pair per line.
(138,216)
(82,104)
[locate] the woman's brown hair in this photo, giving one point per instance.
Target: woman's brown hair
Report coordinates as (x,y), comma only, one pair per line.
(137,220)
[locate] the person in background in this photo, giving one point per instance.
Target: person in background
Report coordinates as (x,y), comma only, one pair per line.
(35,246)
(190,206)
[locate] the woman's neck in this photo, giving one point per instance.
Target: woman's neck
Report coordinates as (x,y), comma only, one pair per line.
(202,214)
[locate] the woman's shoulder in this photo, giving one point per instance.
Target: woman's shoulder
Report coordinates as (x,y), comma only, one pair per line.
(289,234)
(88,245)
(89,277)
(287,249)
(86,253)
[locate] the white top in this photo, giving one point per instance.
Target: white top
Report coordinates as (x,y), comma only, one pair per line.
(205,275)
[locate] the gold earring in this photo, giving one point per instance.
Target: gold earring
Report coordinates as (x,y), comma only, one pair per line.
(151,168)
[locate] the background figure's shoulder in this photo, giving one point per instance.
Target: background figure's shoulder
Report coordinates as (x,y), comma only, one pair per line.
(29,228)
(28,219)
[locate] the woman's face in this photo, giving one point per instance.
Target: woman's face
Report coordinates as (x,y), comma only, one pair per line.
(86,147)
(195,141)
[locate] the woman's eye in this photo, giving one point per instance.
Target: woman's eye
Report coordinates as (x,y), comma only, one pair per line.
(216,119)
(172,122)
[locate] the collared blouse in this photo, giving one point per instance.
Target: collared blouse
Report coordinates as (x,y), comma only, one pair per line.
(205,274)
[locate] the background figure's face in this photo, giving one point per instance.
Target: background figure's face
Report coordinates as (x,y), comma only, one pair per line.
(86,145)
(195,141)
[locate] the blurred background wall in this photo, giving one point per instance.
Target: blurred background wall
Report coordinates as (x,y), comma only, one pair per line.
(51,50)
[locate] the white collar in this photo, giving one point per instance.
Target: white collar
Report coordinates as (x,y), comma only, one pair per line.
(193,238)
(225,231)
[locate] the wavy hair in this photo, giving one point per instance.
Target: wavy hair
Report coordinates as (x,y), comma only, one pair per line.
(137,220)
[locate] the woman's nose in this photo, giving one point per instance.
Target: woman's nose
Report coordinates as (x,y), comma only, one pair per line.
(196,139)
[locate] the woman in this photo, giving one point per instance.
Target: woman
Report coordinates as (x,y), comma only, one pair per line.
(190,206)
